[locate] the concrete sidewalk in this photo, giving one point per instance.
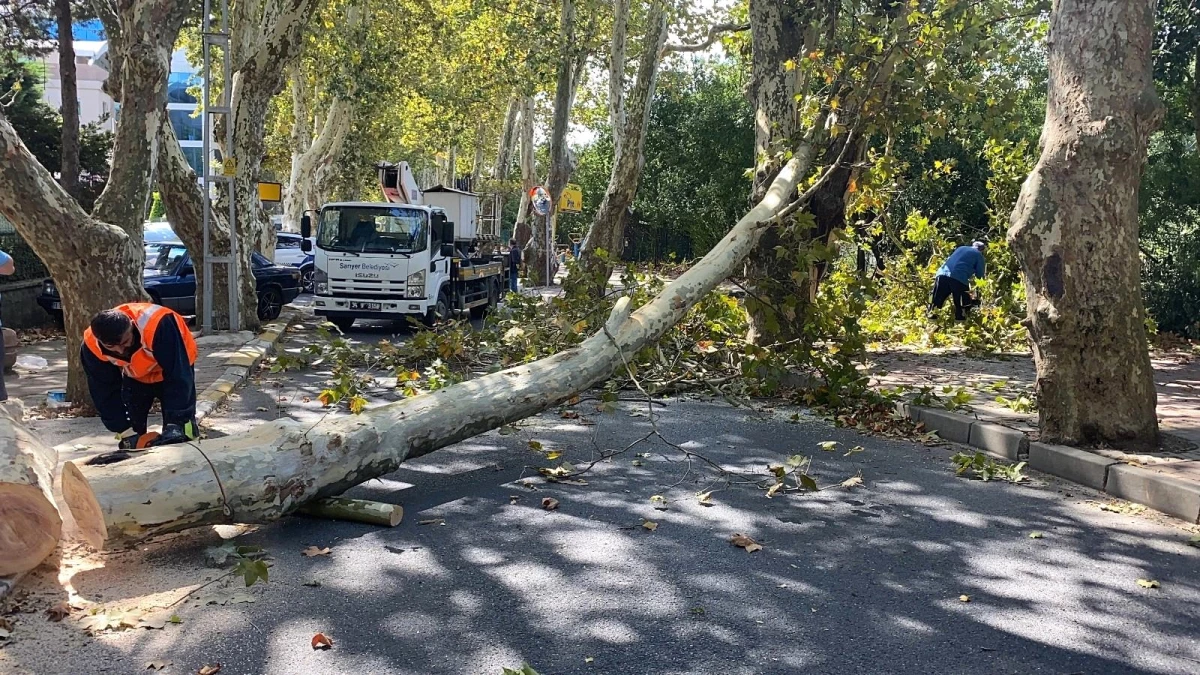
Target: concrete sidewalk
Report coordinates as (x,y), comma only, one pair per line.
(1167,479)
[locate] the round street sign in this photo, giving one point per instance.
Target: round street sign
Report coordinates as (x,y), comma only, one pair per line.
(539,199)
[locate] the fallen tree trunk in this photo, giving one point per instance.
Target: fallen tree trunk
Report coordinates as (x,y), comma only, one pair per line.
(30,524)
(279,466)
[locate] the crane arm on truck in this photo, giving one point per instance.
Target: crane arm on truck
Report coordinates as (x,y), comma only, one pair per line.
(398,184)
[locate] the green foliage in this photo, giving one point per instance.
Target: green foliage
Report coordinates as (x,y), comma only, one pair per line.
(699,142)
(40,128)
(985,468)
(248,562)
(1022,403)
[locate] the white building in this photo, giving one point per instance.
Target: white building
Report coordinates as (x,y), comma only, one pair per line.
(96,106)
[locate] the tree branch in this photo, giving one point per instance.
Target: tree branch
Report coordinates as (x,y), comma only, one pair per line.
(713,33)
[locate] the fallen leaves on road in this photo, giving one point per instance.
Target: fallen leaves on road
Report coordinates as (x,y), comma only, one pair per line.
(851,451)
(157,665)
(1194,541)
(570,415)
(1148,583)
(588,659)
(1036,535)
(6,628)
(742,541)
(210,669)
(705,498)
(964,598)
(319,641)
(312,551)
(649,524)
(852,482)
(549,503)
(59,611)
(828,446)
(1127,508)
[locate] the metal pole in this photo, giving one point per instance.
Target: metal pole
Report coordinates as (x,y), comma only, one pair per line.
(223,107)
(549,281)
(235,314)
(206,311)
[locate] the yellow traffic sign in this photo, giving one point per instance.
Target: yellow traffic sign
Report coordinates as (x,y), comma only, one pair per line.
(229,167)
(270,192)
(571,200)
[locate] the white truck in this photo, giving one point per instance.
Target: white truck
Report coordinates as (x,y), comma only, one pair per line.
(413,256)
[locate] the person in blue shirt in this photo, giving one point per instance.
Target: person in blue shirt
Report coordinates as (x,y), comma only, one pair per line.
(954,279)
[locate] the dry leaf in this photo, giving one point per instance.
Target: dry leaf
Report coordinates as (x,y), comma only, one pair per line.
(157,665)
(705,498)
(59,611)
(742,541)
(549,503)
(432,521)
(964,598)
(1148,583)
(6,628)
(1194,541)
(319,641)
(649,524)
(1036,535)
(553,455)
(210,669)
(588,659)
(156,620)
(774,489)
(853,481)
(570,415)
(314,551)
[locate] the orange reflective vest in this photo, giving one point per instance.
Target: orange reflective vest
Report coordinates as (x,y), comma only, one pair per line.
(142,366)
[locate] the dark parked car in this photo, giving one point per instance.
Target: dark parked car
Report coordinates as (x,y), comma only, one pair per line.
(171,282)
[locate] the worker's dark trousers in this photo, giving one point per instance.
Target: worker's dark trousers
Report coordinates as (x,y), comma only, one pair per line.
(944,287)
(139,397)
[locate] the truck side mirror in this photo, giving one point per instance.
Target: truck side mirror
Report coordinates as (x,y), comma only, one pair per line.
(447,231)
(305,227)
(447,250)
(306,245)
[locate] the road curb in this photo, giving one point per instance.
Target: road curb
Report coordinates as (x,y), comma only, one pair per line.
(239,366)
(1161,492)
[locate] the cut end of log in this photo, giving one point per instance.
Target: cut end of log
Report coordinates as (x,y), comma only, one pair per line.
(83,504)
(29,527)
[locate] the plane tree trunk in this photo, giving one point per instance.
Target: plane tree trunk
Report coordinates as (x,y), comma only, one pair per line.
(96,260)
(1075,227)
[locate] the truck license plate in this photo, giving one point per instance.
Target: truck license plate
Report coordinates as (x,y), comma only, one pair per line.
(369,306)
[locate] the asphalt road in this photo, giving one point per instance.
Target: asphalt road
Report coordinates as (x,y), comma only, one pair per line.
(861,580)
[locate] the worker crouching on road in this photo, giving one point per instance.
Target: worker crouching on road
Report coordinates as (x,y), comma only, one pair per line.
(132,355)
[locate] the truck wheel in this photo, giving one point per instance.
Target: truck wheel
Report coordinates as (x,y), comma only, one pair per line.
(343,323)
(440,311)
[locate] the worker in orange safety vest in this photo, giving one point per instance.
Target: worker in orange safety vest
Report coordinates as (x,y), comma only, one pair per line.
(132,355)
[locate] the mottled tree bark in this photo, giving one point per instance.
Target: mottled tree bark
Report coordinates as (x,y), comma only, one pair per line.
(777,33)
(522,230)
(1075,227)
(607,231)
(96,260)
(69,171)
(184,203)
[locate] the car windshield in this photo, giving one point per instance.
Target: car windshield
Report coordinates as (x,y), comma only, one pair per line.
(373,229)
(163,258)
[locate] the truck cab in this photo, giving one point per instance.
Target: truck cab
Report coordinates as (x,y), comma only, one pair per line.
(376,260)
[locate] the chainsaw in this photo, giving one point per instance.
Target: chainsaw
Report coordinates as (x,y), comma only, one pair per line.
(171,433)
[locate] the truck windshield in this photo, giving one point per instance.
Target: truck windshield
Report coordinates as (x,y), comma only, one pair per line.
(373,229)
